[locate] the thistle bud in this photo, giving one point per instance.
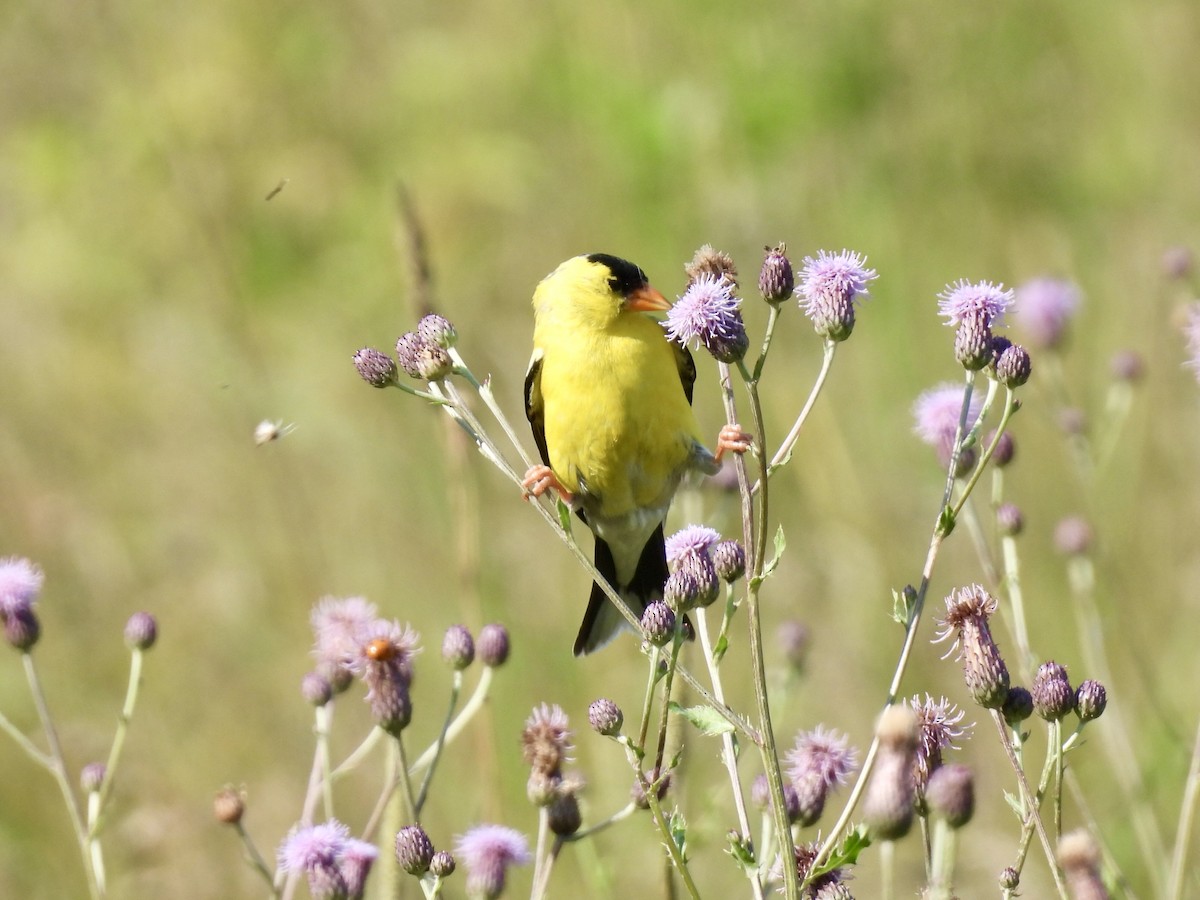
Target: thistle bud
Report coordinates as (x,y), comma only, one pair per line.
(316,689)
(442,865)
(658,622)
(729,560)
(492,646)
(1014,367)
(458,648)
(141,631)
(776,281)
(605,717)
(1009,520)
(414,850)
(973,342)
(1052,694)
(436,330)
(950,794)
(1018,706)
(1090,700)
(92,777)
(888,802)
(377,369)
(229,805)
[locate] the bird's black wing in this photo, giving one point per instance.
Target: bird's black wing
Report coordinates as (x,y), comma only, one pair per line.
(534,410)
(687,368)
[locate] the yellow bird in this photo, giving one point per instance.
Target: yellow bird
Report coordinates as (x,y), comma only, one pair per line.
(609,400)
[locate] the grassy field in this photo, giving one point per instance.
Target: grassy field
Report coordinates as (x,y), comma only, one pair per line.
(155,305)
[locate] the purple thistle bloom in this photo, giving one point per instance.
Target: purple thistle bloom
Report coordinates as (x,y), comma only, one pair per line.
(823,753)
(830,287)
(316,850)
(708,314)
(1191,331)
(937,410)
(961,299)
(487,851)
(1044,308)
(336,626)
(20,584)
(695,540)
(357,859)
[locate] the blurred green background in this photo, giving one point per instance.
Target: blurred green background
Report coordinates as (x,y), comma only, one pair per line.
(156,306)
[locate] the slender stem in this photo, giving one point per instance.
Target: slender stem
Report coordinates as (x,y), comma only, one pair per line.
(316,775)
(472,706)
(255,858)
(1038,825)
(439,745)
(677,861)
(25,743)
(1183,832)
(784,453)
(728,753)
(619,816)
(114,753)
(351,762)
(58,770)
(542,883)
(539,854)
(768,334)
(1056,750)
(648,703)
(665,706)
(1009,407)
(887,869)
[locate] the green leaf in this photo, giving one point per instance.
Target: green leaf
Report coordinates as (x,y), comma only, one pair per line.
(945,523)
(904,602)
(564,515)
(846,854)
(741,850)
(677,825)
(780,544)
(1014,803)
(720,647)
(707,719)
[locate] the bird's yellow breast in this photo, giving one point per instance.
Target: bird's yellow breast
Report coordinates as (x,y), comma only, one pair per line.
(619,429)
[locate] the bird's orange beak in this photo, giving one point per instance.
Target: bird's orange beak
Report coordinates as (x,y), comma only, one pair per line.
(647,299)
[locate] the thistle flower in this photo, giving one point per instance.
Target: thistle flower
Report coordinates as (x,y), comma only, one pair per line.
(316,689)
(316,850)
(605,717)
(141,631)
(819,760)
(729,560)
(1044,308)
(458,647)
(229,805)
(658,622)
(961,299)
(1018,706)
(708,314)
(414,850)
(830,287)
(493,645)
(20,584)
(357,859)
(712,262)
(336,626)
(694,540)
(1013,366)
(384,662)
(1080,860)
(1052,694)
(938,727)
(776,279)
(1073,536)
(967,613)
(936,414)
(488,851)
(376,368)
(888,802)
(1127,365)
(437,330)
(1009,521)
(546,739)
(951,794)
(91,777)
(973,341)
(1091,699)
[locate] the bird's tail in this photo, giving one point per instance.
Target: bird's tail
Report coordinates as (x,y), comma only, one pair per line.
(603,621)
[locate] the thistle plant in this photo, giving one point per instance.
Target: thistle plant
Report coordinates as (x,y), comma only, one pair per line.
(21,584)
(713,579)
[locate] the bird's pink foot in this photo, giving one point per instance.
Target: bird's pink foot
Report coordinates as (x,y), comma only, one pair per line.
(733,440)
(540,479)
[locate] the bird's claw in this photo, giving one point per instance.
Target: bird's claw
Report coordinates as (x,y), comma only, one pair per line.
(732,439)
(540,479)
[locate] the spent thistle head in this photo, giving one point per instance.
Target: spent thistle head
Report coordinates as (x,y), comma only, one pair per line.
(967,612)
(712,262)
(546,739)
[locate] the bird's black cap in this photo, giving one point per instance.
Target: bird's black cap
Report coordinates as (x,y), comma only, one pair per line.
(625,278)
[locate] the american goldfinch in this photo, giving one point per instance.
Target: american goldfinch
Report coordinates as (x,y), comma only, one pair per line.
(609,400)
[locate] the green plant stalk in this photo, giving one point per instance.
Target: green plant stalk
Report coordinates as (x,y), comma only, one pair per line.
(439,745)
(943,861)
(470,708)
(647,704)
(1056,751)
(887,869)
(25,743)
(619,816)
(136,661)
(539,854)
(1121,757)
(728,753)
(754,529)
(1009,408)
(318,781)
(784,453)
(391,812)
(1034,814)
(1183,831)
(255,858)
(665,707)
(58,770)
(677,861)
(936,537)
